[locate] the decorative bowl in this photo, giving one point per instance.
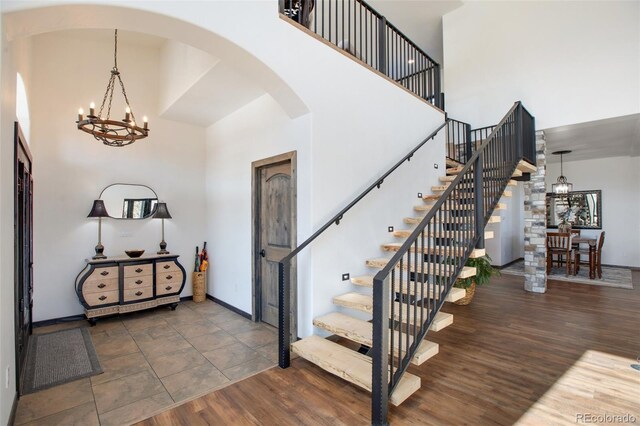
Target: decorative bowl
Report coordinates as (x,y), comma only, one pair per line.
(134,253)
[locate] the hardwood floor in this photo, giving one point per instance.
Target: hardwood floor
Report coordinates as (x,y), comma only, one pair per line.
(510,357)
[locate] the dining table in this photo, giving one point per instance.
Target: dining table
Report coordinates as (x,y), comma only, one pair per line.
(592,254)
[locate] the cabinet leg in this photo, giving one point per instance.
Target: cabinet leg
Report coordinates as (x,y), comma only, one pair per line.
(92,322)
(174,306)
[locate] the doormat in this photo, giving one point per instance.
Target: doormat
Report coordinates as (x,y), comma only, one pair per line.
(59,357)
(611,276)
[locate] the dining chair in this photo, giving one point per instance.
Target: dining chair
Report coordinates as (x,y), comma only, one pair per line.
(599,255)
(559,244)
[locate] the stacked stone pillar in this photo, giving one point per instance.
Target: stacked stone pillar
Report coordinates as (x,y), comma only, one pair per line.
(535,228)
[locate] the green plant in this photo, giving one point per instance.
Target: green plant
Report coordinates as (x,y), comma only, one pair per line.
(484,272)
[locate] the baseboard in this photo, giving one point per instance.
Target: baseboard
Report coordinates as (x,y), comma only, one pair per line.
(509,264)
(228,306)
(185,298)
(14,408)
(60,320)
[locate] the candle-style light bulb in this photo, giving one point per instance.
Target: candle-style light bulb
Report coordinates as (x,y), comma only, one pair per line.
(127,114)
(80,114)
(92,109)
(145,120)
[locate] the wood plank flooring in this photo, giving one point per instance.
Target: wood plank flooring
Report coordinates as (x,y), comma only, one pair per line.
(510,357)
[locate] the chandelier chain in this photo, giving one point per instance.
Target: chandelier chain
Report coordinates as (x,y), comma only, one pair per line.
(115,52)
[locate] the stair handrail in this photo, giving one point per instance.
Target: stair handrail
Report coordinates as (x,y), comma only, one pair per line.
(384,378)
(359,30)
(284,283)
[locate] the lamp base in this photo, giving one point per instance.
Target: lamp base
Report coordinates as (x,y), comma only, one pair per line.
(163,248)
(99,252)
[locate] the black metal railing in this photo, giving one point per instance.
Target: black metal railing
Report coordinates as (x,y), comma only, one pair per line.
(357,28)
(409,291)
(459,146)
(284,266)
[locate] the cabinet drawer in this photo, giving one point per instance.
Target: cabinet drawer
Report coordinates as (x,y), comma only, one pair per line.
(137,270)
(170,266)
(137,282)
(167,288)
(138,293)
(99,285)
(104,273)
(168,277)
(103,298)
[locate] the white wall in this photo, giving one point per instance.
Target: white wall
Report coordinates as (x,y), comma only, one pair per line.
(71,168)
(569,62)
(619,180)
(507,244)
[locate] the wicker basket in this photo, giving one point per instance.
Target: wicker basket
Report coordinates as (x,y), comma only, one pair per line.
(469,292)
(199,281)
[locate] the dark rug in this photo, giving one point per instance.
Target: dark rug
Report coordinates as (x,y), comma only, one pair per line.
(59,357)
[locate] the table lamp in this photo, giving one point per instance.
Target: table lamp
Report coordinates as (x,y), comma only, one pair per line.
(99,210)
(162,213)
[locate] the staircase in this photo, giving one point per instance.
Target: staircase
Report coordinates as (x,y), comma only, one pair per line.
(404,295)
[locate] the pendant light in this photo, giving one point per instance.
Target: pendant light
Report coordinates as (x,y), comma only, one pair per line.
(562,186)
(105,129)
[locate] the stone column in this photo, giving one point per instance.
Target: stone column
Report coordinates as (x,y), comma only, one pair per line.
(535,223)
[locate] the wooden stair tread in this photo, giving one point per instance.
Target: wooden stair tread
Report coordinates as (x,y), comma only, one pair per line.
(454,170)
(517,173)
(448,220)
(452,163)
(405,233)
(429,268)
(447,178)
(526,167)
(507,194)
(454,294)
(350,365)
(512,182)
(439,250)
(361,332)
(364,303)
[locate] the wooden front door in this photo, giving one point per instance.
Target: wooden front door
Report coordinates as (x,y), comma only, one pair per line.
(275,231)
(23,216)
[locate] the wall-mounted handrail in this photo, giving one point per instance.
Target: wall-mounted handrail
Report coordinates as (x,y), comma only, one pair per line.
(358,29)
(284,266)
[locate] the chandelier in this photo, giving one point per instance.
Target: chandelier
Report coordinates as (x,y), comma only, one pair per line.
(113,132)
(562,186)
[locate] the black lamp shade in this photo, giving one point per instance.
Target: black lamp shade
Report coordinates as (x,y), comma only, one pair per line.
(162,212)
(98,209)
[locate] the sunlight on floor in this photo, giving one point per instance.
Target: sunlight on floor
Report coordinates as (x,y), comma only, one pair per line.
(599,388)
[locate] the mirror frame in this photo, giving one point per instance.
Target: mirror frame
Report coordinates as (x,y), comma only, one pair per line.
(597,192)
(131,184)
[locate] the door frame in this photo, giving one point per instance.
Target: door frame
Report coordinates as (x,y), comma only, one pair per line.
(20,144)
(256,168)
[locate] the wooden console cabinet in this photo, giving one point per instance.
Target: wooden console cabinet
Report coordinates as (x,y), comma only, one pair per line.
(118,285)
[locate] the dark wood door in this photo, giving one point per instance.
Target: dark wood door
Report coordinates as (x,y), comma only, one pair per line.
(274,231)
(23,219)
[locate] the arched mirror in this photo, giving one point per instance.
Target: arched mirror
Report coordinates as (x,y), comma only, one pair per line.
(129,201)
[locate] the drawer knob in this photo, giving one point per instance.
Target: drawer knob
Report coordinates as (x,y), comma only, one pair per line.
(168,287)
(138,281)
(102,285)
(102,297)
(166,266)
(104,273)
(138,293)
(138,270)
(169,277)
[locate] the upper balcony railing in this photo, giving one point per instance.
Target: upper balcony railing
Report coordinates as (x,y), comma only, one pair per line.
(358,29)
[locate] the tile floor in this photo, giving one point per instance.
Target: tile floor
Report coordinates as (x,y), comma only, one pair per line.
(153,360)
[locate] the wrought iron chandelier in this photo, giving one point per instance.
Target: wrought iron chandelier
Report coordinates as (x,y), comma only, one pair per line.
(113,132)
(562,186)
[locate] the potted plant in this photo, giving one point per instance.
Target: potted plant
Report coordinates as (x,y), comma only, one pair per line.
(484,272)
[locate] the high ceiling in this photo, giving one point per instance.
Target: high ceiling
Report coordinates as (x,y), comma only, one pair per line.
(611,137)
(420,20)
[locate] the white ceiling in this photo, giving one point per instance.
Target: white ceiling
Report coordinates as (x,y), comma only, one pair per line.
(420,20)
(611,137)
